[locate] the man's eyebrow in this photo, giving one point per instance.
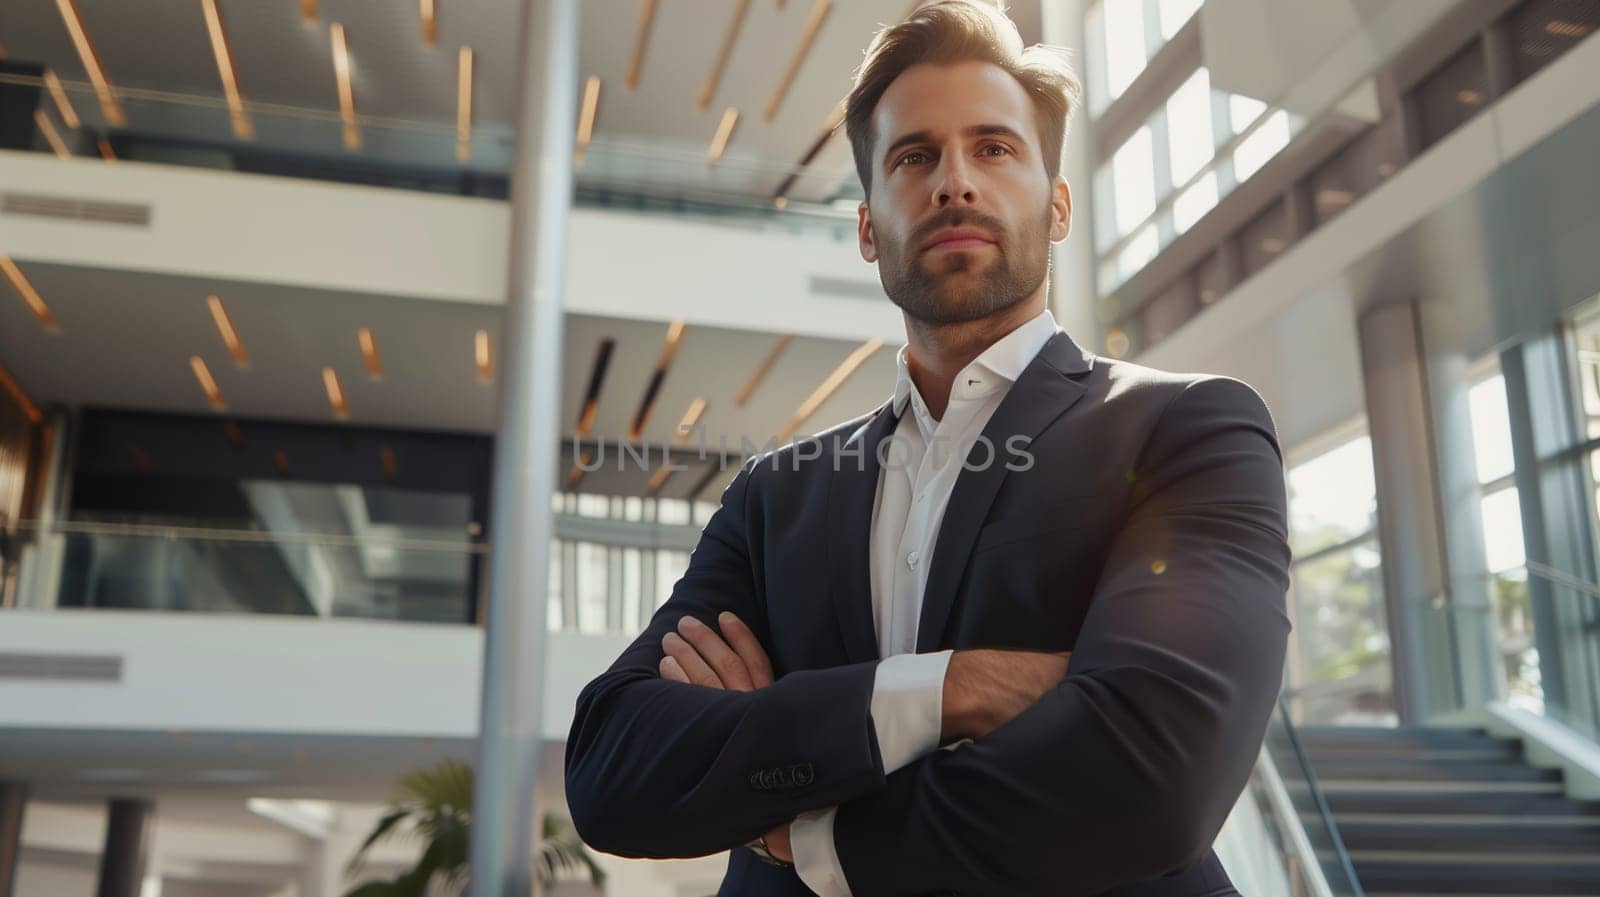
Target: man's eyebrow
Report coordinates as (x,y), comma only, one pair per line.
(969,131)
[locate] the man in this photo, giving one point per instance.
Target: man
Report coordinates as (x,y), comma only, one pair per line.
(1016,632)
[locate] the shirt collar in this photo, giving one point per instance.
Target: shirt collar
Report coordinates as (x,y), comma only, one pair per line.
(996,367)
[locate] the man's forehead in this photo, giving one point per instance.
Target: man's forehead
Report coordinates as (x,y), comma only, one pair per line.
(945,100)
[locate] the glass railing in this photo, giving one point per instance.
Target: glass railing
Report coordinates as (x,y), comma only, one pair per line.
(182,568)
(411,152)
(1314,860)
(1542,610)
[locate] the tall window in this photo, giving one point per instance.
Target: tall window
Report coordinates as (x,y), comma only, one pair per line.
(1504,555)
(1339,669)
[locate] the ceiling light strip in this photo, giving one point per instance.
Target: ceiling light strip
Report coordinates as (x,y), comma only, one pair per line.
(225,329)
(336,398)
(370,356)
(658,479)
(647,402)
(690,419)
(106,150)
(720,65)
(829,386)
(819,12)
(597,378)
(464,104)
(308,10)
(591,105)
(762,369)
(208,384)
(719,141)
(647,15)
(69,115)
(347,94)
(29,295)
(242,127)
(430,23)
(14,389)
(103,88)
(51,135)
(483,356)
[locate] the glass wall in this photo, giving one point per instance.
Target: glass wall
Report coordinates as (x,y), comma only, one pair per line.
(1338,670)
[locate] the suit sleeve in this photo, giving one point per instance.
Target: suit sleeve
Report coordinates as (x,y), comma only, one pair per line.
(664,769)
(1127,769)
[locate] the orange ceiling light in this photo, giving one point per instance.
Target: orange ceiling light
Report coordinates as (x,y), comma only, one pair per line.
(336,398)
(242,127)
(586,114)
(647,402)
(369,353)
(51,135)
(1563,28)
(464,104)
(308,11)
(347,94)
(808,36)
(647,16)
(69,115)
(483,356)
(762,369)
(720,65)
(719,141)
(14,389)
(829,386)
(430,23)
(208,383)
(109,154)
(690,419)
(225,329)
(110,106)
(29,295)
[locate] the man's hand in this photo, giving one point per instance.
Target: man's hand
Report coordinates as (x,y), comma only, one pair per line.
(986,688)
(734,661)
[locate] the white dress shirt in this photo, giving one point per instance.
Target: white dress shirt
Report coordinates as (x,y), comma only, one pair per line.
(914,485)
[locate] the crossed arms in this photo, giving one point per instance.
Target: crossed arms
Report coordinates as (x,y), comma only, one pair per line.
(1122,770)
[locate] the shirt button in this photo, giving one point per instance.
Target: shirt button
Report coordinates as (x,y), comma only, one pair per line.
(913,559)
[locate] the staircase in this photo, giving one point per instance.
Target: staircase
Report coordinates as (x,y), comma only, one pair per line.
(1447,811)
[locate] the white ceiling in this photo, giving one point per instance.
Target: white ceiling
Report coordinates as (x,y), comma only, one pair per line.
(126,339)
(653,138)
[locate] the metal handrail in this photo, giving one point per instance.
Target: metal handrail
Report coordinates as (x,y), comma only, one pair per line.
(1561,578)
(1320,799)
(1290,823)
(209,534)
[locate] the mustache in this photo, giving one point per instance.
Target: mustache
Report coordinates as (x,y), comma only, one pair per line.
(956,217)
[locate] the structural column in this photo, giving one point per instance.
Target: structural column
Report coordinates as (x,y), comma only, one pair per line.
(13,799)
(127,848)
(521,520)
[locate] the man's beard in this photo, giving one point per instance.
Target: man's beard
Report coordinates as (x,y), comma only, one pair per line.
(952,292)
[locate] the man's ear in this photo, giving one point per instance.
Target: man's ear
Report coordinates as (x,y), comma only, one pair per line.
(1060,209)
(869,249)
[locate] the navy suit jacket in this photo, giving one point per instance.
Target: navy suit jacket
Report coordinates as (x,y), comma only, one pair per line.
(1147,537)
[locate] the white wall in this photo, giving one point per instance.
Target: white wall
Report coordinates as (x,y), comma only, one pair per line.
(221,673)
(403,243)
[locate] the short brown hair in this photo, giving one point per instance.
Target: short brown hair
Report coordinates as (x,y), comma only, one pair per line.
(957,31)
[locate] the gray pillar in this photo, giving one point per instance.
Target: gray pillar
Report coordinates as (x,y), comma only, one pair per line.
(13,798)
(1409,526)
(127,848)
(504,812)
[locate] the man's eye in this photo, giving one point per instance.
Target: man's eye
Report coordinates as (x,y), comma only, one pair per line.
(995,146)
(912,158)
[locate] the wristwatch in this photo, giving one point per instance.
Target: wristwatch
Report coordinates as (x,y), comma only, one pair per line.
(764,853)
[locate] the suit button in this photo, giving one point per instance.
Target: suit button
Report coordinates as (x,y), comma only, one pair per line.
(756,782)
(781,778)
(804,775)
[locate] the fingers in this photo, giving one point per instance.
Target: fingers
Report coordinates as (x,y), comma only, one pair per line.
(727,666)
(689,660)
(748,647)
(672,671)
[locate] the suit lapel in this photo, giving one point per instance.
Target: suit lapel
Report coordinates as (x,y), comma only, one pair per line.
(1046,389)
(852,490)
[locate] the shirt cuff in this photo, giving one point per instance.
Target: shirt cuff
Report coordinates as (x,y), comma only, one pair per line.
(816,860)
(908,706)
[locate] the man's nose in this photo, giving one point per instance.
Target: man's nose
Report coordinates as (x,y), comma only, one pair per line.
(955,184)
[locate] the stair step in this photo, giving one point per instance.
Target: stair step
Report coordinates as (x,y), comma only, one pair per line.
(1491,837)
(1465,874)
(1313,819)
(1425,771)
(1509,751)
(1408,789)
(1387,801)
(1336,736)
